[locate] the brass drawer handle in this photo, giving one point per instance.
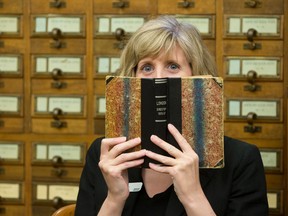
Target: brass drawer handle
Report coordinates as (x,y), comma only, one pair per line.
(250,128)
(57,112)
(58,124)
(57,161)
(57,44)
(186,4)
(120,34)
(252,3)
(57,202)
(251,79)
(56,33)
(56,73)
(120,4)
(58,172)
(57,4)
(251,34)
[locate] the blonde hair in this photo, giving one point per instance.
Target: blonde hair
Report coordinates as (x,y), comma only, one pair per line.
(162,35)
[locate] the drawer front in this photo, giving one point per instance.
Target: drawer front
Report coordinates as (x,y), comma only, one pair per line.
(58,6)
(186,7)
(11,26)
(7,6)
(253,7)
(108,46)
(268,131)
(11,125)
(65,46)
(12,45)
(11,86)
(99,126)
(59,173)
(58,67)
(11,152)
(253,27)
(254,90)
(11,66)
(45,86)
(265,48)
(12,192)
(67,126)
(253,69)
(11,172)
(58,154)
(99,86)
(54,194)
(126,6)
(11,210)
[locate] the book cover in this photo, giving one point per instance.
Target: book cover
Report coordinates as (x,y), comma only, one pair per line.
(140,107)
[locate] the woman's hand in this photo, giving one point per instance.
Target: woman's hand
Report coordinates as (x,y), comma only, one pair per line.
(183,168)
(114,162)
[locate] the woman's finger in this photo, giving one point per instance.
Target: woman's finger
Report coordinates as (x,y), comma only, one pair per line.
(182,142)
(108,143)
(170,149)
(164,160)
(117,149)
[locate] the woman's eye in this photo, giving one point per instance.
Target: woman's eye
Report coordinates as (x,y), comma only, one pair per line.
(147,68)
(174,66)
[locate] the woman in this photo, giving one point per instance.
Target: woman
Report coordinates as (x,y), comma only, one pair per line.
(111,183)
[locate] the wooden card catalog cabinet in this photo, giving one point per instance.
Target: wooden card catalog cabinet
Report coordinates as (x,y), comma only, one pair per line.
(11,153)
(11,26)
(11,192)
(11,7)
(100,106)
(47,197)
(123,6)
(58,66)
(253,7)
(59,114)
(67,33)
(186,7)
(115,27)
(62,73)
(11,113)
(255,68)
(57,26)
(275,201)
(259,109)
(204,23)
(11,71)
(11,65)
(272,160)
(257,30)
(11,160)
(105,65)
(100,110)
(61,161)
(58,6)
(269,27)
(263,118)
(253,76)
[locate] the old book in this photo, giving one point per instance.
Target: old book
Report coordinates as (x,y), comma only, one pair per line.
(140,107)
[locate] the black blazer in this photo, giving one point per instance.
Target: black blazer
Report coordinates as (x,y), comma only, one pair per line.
(237,189)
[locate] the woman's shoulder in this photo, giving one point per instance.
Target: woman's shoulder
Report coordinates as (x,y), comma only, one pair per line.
(238,150)
(94,148)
